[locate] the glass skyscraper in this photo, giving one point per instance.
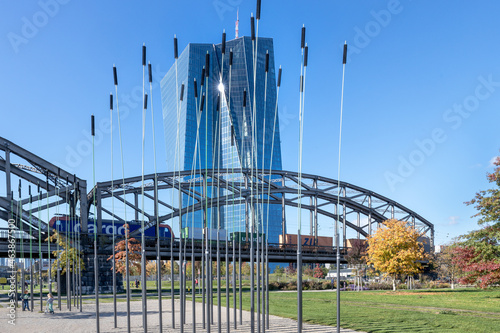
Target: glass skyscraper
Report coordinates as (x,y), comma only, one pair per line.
(223,136)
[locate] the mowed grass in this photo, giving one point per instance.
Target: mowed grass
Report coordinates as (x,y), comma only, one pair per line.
(466,310)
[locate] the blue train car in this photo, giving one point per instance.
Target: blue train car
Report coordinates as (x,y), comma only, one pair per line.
(64,224)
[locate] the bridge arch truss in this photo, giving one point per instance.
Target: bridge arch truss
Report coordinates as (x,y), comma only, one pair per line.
(358,209)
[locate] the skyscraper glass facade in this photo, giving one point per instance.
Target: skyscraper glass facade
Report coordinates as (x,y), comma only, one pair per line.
(225,134)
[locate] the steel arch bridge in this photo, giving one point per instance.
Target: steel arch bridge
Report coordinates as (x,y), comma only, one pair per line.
(359,209)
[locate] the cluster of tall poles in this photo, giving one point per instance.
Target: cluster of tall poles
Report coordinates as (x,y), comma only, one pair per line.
(255,211)
(59,234)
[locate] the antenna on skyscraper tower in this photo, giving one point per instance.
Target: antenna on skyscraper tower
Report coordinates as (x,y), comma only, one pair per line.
(236,30)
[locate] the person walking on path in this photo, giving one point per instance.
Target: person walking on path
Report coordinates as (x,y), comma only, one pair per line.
(26,298)
(50,303)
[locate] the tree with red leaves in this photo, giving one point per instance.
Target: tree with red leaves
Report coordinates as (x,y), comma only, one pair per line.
(134,254)
(478,253)
(318,272)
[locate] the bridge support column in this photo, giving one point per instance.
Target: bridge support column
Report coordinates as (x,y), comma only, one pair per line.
(105,273)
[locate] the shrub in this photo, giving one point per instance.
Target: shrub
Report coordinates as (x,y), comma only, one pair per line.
(380,286)
(326,285)
(277,285)
(291,285)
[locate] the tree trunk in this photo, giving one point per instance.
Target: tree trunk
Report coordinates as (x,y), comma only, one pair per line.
(393,284)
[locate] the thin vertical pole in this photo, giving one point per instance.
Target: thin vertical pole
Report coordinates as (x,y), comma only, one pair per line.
(127,268)
(344,58)
(71,216)
(156,212)
(269,196)
(48,234)
(208,260)
(31,253)
(203,249)
(299,206)
(143,237)
(177,156)
(58,229)
(40,256)
(266,69)
(233,140)
(193,259)
(77,191)
(172,287)
(96,264)
(115,319)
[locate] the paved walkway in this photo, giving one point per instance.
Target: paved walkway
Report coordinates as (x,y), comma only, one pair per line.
(75,321)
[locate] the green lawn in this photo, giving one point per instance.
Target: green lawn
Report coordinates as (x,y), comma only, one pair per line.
(438,310)
(466,310)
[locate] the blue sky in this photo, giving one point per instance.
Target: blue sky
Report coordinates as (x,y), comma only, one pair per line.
(422,89)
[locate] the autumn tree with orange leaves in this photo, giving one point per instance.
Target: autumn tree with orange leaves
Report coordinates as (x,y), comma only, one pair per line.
(134,255)
(394,250)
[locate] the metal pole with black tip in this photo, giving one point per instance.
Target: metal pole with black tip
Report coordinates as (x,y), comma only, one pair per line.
(193,259)
(204,188)
(208,259)
(181,258)
(96,264)
(156,211)
(299,205)
(337,241)
(219,138)
(172,264)
(264,269)
(232,185)
(127,267)
(115,319)
(143,237)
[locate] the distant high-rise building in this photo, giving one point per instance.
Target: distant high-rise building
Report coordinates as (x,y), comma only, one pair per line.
(225,133)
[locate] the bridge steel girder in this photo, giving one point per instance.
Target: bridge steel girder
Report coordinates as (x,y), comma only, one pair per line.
(36,171)
(353,200)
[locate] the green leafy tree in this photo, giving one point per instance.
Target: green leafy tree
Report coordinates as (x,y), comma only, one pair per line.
(325,270)
(279,271)
(487,202)
(446,267)
(66,251)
